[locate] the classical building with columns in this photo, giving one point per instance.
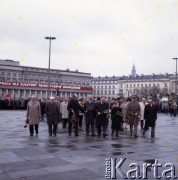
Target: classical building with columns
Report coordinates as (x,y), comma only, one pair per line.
(24,81)
(126,86)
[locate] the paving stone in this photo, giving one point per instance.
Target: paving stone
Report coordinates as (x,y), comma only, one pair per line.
(27,173)
(42,157)
(8,157)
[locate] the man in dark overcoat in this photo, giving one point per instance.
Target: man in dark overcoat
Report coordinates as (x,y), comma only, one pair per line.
(52,112)
(90,113)
(150,116)
(102,110)
(73,108)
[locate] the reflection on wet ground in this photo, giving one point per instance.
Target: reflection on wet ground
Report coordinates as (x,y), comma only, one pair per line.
(83,152)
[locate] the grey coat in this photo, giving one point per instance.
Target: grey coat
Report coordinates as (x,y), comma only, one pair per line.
(33,112)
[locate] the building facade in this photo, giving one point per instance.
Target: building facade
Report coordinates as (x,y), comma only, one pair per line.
(134,84)
(23,81)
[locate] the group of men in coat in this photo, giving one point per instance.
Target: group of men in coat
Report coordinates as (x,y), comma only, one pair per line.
(96,115)
(145,112)
(52,111)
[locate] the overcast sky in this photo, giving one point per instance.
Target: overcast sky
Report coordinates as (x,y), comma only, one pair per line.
(102,37)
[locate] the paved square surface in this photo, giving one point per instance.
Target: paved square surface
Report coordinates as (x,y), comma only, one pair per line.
(42,157)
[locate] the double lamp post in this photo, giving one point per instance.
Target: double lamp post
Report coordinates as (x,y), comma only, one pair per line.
(49,63)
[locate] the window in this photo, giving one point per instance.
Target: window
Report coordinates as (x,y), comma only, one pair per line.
(130,85)
(105,92)
(158,85)
(98,87)
(127,85)
(165,84)
(2,73)
(137,85)
(101,87)
(105,87)
(101,92)
(113,92)
(109,92)
(134,85)
(145,85)
(141,85)
(113,87)
(94,87)
(149,85)
(8,73)
(109,87)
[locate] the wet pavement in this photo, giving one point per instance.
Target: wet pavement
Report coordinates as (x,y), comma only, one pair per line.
(42,157)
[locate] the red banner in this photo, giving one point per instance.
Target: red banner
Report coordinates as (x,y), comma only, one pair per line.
(84,88)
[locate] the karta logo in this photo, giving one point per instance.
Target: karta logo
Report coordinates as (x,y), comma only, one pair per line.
(115,169)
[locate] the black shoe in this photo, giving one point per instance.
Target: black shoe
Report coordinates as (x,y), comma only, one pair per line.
(54,134)
(104,135)
(117,135)
(135,136)
(93,135)
(50,134)
(143,132)
(99,135)
(31,134)
(76,135)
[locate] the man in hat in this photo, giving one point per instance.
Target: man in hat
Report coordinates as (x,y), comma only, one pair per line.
(52,112)
(133,112)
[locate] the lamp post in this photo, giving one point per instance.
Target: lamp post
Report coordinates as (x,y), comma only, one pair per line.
(176,76)
(49,64)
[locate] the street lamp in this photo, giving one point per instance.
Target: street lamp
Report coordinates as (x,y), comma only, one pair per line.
(176,76)
(49,38)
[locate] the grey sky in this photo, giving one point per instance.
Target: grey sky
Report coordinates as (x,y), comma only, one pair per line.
(103,37)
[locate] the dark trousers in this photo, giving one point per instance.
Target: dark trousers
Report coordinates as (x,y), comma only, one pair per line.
(142,124)
(52,129)
(103,128)
(80,120)
(31,129)
(90,125)
(70,128)
(64,123)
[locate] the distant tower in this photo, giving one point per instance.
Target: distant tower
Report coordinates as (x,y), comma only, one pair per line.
(133,70)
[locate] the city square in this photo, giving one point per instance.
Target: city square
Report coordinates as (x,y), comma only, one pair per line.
(83,157)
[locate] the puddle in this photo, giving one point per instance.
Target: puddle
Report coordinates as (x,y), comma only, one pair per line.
(121,153)
(67,146)
(151,161)
(97,147)
(118,145)
(53,150)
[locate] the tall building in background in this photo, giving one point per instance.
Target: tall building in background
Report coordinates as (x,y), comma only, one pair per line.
(24,81)
(133,70)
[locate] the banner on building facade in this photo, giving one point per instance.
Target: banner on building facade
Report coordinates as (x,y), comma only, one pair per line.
(46,86)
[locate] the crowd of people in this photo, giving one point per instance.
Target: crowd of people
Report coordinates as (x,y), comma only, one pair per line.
(96,114)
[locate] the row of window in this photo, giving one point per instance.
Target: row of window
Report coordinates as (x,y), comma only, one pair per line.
(43,78)
(103,82)
(104,87)
(131,86)
(97,92)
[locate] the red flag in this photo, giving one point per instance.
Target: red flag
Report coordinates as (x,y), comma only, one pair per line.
(7,95)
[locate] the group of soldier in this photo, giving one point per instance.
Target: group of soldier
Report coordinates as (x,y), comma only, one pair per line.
(96,113)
